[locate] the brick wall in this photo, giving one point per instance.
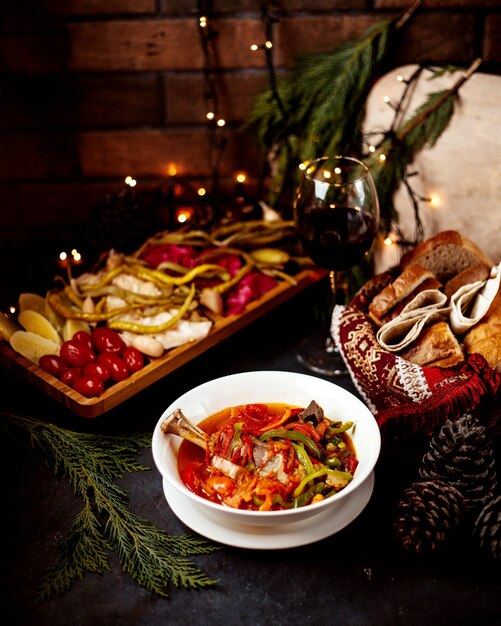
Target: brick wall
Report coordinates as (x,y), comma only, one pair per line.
(95,90)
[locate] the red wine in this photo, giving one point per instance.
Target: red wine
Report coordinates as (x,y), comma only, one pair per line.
(336,239)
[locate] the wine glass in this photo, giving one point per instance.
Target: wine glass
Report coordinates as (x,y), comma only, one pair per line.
(336,215)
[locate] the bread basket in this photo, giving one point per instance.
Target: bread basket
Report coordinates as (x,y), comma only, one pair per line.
(404,396)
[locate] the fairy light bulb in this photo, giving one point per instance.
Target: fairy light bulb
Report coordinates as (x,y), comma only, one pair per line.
(254,47)
(269,44)
(201,191)
(172,169)
(435,200)
(386,99)
(372,148)
(184,214)
(221,122)
(302,166)
(76,256)
(388,241)
(130,181)
(241,177)
(210,115)
(203,21)
(400,78)
(382,157)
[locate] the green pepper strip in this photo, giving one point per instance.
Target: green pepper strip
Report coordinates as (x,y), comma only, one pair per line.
(130,296)
(307,496)
(277,499)
(322,471)
(303,457)
(228,284)
(105,280)
(293,435)
(54,300)
(335,430)
(274,273)
(161,278)
(158,328)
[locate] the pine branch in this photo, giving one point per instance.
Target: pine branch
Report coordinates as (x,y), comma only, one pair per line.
(422,130)
(92,464)
(318,107)
(437,101)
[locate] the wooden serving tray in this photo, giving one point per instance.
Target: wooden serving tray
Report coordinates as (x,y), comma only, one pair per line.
(222,328)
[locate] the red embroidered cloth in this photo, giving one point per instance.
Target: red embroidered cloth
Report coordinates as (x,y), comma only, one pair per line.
(402,394)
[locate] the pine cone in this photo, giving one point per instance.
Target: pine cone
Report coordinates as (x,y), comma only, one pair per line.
(488,528)
(427,514)
(462,455)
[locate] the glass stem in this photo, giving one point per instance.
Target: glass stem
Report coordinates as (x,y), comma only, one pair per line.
(330,344)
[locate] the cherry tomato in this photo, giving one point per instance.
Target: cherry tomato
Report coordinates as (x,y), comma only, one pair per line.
(97,370)
(69,376)
(118,369)
(88,386)
(107,340)
(82,336)
(76,354)
(133,358)
(53,364)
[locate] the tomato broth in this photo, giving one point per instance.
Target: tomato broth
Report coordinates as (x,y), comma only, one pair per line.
(268,457)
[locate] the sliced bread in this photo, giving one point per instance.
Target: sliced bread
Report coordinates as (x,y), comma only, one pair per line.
(394,293)
(479,272)
(446,254)
(436,346)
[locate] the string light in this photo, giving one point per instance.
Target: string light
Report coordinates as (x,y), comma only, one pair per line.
(76,257)
(382,157)
(12,309)
(172,169)
(241,177)
(372,148)
(268,44)
(130,181)
(63,259)
(217,138)
(184,214)
(435,200)
(201,191)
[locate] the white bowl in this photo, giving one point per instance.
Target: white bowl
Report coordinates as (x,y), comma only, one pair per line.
(264,387)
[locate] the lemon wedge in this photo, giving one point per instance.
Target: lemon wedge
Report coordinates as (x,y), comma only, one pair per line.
(32,302)
(54,318)
(36,323)
(72,326)
(33,346)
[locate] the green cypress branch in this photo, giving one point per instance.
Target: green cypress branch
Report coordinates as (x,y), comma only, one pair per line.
(92,464)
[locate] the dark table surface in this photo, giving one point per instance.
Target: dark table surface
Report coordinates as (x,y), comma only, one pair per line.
(358,576)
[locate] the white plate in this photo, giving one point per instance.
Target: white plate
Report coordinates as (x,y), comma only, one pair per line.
(292,535)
